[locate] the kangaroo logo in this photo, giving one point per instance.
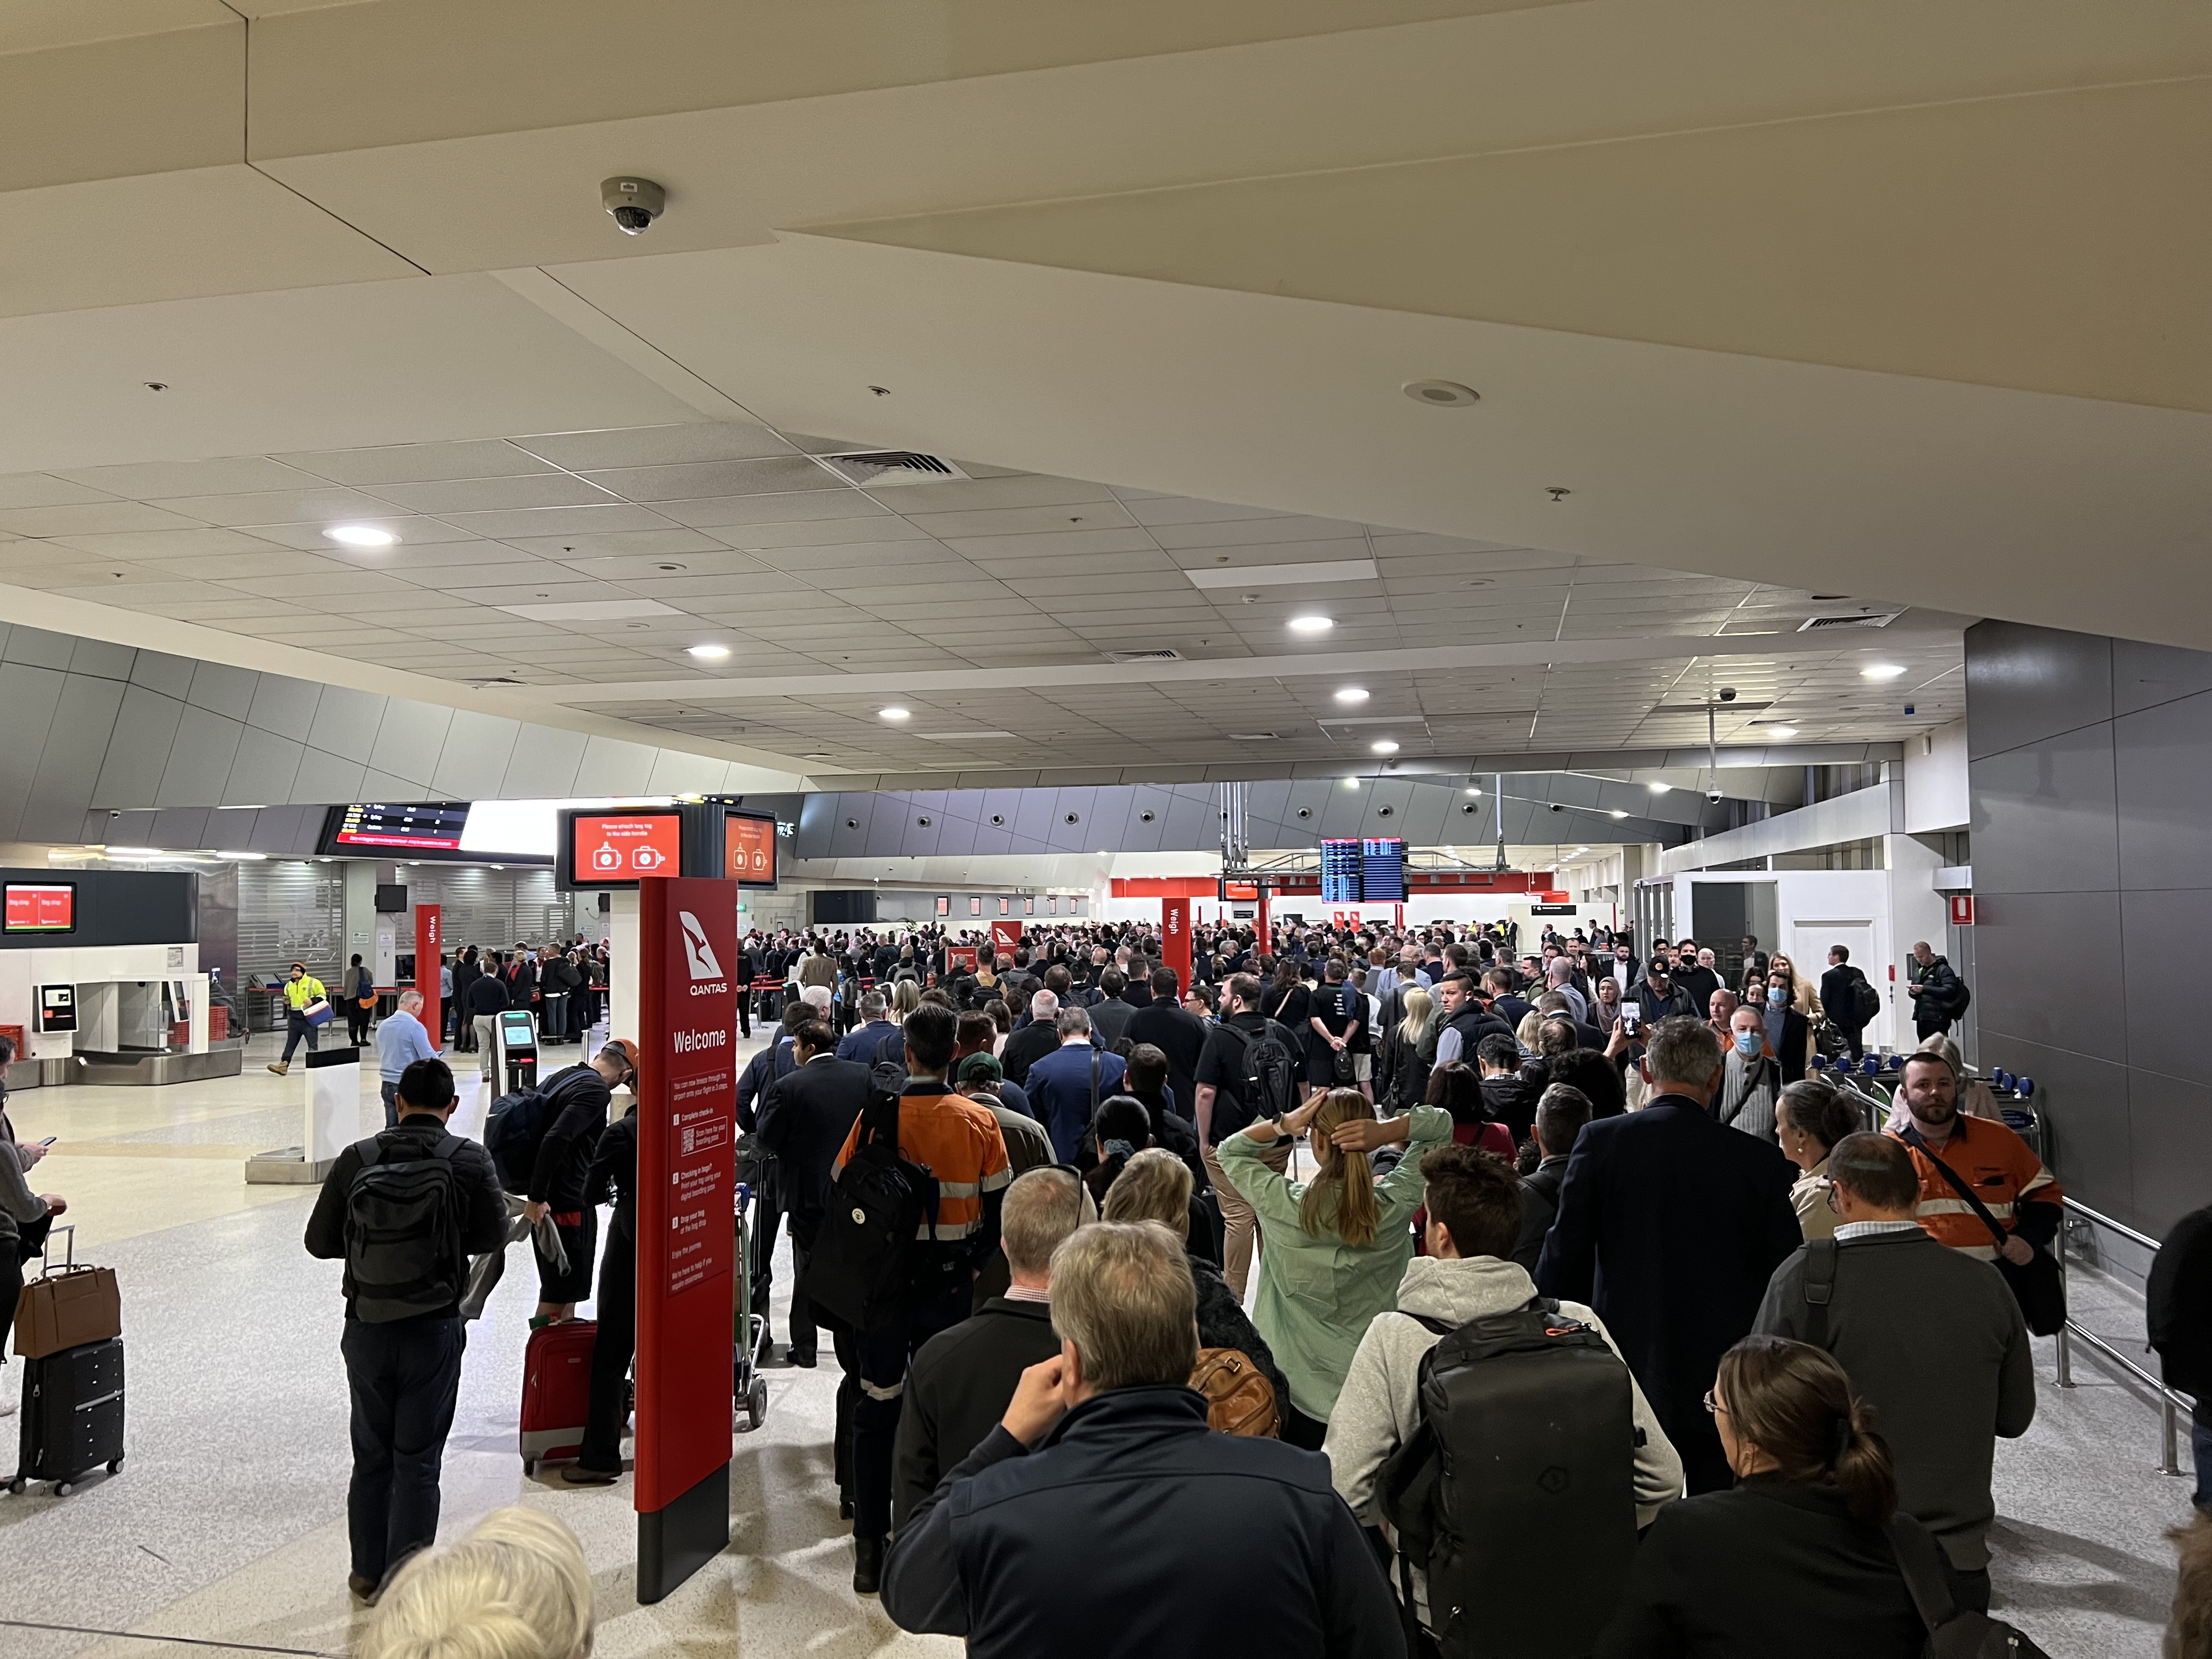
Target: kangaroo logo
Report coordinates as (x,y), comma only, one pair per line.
(696,952)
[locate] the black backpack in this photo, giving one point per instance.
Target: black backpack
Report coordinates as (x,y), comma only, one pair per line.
(1270,1087)
(1865,1001)
(870,1260)
(1521,1474)
(1953,1631)
(515,1127)
(403,1232)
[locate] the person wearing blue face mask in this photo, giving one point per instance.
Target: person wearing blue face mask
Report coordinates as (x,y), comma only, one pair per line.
(1751,1078)
(1788,1033)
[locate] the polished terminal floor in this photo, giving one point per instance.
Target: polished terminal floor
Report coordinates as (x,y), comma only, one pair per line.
(225,1531)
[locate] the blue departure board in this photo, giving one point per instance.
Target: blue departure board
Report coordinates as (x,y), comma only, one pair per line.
(1340,873)
(1381,872)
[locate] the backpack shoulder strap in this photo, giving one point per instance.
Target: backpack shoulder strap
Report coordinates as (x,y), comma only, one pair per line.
(371,1151)
(1440,1326)
(1959,1187)
(448,1144)
(1820,1257)
(1923,1567)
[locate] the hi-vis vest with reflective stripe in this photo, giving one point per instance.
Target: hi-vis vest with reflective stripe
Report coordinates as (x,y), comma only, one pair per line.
(2000,1168)
(960,1143)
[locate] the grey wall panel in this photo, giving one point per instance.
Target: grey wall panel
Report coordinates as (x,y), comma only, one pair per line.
(2144,676)
(138,749)
(1193,823)
(326,777)
(2021,992)
(2044,816)
(30,696)
(104,659)
(68,766)
(284,706)
(612,767)
(675,773)
(887,824)
(849,828)
(2166,1008)
(1004,805)
(280,829)
(477,751)
(817,813)
(262,773)
(545,763)
(1341,812)
(1113,814)
(382,786)
(200,759)
(1032,816)
(2085,1106)
(225,691)
(122,828)
(37,648)
(2168,1118)
(346,722)
(2165,794)
(410,739)
(1078,804)
(183,826)
(2031,683)
(994,838)
(157,670)
(957,837)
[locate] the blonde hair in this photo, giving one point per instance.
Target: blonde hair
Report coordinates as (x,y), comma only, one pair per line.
(1122,1293)
(516,1588)
(1340,1199)
(1526,1033)
(906,997)
(1043,1208)
(1153,1186)
(1420,1009)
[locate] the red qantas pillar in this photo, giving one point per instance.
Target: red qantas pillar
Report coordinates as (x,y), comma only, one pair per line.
(686,1239)
(430,944)
(1174,938)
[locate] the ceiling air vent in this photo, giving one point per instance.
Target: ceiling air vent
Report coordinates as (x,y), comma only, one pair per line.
(1856,619)
(881,468)
(502,679)
(1166,654)
(1253,736)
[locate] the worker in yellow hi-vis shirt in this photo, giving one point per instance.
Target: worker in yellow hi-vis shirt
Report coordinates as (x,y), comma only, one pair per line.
(304,995)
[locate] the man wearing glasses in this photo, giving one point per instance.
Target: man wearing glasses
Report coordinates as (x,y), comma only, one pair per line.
(1931,1338)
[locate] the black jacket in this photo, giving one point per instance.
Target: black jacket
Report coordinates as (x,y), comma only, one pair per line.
(1083,1548)
(1773,1567)
(2178,1304)
(1584,1069)
(958,1389)
(612,1172)
(483,1229)
(772,1063)
(1540,1202)
(565,1154)
(804,1121)
(1110,1017)
(487,994)
(1509,1100)
(1670,1225)
(1028,1046)
(1180,1035)
(1840,1000)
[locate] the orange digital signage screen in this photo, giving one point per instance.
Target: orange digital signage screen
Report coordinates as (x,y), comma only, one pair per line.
(749,850)
(623,846)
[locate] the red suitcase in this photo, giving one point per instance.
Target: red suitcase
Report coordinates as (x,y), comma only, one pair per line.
(556,1390)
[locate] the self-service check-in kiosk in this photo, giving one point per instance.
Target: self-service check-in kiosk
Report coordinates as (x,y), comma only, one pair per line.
(56,1008)
(515,1051)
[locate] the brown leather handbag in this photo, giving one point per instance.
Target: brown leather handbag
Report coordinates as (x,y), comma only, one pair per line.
(67,1306)
(1239,1398)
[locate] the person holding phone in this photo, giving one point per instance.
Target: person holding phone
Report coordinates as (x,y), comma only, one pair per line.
(25,1216)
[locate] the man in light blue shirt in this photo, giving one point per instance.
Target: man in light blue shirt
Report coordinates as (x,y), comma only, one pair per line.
(400,1042)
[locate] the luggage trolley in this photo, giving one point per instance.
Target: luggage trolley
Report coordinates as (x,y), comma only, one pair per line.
(751,1332)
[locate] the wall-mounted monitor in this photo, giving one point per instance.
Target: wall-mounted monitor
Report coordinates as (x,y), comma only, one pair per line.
(41,907)
(391,897)
(396,829)
(748,847)
(614,848)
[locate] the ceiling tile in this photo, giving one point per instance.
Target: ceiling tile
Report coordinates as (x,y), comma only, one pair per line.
(495,494)
(714,480)
(489,458)
(93,519)
(557,521)
(328,503)
(656,445)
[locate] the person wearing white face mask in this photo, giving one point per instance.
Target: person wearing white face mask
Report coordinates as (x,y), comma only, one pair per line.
(1752,1077)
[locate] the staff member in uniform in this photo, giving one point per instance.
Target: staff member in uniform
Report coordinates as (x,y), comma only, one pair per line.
(302,991)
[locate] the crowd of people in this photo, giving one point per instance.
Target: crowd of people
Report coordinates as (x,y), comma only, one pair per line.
(1283,1259)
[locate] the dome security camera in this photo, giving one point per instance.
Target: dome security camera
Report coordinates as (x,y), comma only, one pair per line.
(635,203)
(1714,796)
(1558,807)
(1728,694)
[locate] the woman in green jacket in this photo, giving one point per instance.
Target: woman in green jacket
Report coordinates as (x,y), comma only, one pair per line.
(1336,1246)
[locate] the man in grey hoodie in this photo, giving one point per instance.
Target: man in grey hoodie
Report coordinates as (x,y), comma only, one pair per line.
(1475,1218)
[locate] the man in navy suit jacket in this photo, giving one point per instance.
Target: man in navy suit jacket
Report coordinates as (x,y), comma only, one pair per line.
(1669,1226)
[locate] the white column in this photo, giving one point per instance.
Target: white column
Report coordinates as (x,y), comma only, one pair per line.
(622,967)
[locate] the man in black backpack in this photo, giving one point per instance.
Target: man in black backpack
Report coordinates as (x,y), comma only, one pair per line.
(404,1211)
(1839,995)
(1234,1087)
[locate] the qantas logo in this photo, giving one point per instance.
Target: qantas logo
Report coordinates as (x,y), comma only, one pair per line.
(696,952)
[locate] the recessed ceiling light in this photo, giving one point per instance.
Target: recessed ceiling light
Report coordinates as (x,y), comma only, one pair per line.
(249,857)
(1351,783)
(1474,791)
(1882,671)
(361,535)
(1661,788)
(1384,746)
(893,713)
(1616,813)
(1352,694)
(1781,731)
(1442,394)
(1312,624)
(709,653)
(1581,850)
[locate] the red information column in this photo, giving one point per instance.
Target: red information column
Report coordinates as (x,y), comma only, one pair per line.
(430,944)
(1174,938)
(686,1237)
(1005,936)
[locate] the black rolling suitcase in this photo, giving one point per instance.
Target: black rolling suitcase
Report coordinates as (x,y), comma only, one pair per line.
(72,1415)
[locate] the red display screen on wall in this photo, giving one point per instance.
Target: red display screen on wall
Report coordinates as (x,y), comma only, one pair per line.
(41,908)
(615,847)
(748,849)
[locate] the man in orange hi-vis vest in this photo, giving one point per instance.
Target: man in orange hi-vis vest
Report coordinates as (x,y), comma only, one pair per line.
(2020,1195)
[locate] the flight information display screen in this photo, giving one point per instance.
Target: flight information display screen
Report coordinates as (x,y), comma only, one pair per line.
(1340,873)
(421,827)
(1382,872)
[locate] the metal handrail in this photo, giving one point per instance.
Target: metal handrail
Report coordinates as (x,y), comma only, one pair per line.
(2170,1403)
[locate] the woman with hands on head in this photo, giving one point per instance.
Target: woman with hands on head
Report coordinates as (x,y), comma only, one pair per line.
(1335,1246)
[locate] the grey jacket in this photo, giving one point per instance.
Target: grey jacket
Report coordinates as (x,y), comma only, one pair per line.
(1379,1407)
(1934,1341)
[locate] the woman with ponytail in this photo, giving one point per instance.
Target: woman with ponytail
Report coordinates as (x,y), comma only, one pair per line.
(1797,1559)
(1335,1246)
